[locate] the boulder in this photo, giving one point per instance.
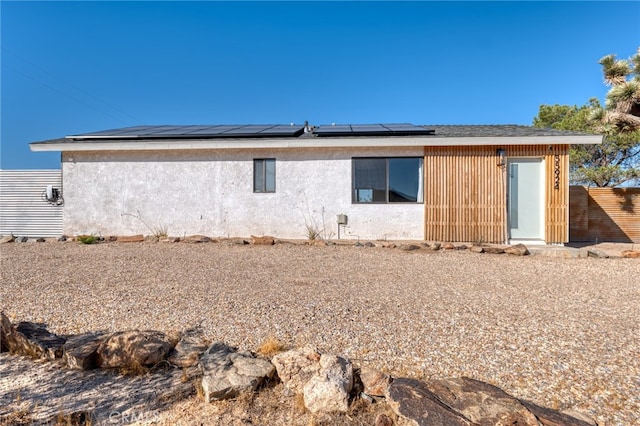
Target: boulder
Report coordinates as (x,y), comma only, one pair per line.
(517,250)
(263,241)
(226,373)
(481,402)
(7,239)
(476,249)
(435,246)
(549,417)
(133,349)
(5,328)
(30,339)
(130,238)
(631,254)
(413,400)
(461,247)
(375,382)
(409,247)
(328,390)
(62,239)
(81,351)
(239,241)
(369,244)
(188,350)
(448,246)
(297,366)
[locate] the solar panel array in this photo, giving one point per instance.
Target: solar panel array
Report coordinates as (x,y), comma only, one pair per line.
(254,131)
(402,129)
(181,132)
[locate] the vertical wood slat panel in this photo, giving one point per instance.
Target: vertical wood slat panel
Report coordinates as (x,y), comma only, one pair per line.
(465,192)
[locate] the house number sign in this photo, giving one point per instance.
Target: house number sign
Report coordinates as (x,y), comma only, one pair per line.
(556,171)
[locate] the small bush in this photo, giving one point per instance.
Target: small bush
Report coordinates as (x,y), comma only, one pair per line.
(271,346)
(88,239)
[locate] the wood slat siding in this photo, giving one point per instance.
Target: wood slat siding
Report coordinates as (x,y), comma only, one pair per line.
(604,214)
(465,193)
(22,210)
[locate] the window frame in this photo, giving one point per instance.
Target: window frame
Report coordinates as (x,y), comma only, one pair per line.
(354,198)
(261,164)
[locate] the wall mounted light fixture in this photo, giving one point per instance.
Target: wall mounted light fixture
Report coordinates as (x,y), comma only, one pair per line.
(502,157)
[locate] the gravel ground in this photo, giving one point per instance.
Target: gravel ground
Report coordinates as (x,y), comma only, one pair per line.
(564,333)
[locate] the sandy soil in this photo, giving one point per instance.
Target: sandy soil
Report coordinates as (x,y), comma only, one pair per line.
(563,333)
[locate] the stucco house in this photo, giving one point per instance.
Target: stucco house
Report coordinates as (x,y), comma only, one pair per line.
(495,183)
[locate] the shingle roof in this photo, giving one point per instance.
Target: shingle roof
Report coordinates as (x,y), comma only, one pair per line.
(496,130)
(444,135)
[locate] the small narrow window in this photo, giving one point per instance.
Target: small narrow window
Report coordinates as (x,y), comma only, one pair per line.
(264,175)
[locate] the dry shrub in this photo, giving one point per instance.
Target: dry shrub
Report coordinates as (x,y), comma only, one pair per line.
(133,369)
(17,418)
(298,404)
(81,418)
(271,346)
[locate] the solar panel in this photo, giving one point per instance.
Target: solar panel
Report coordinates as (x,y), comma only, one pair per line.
(403,129)
(195,131)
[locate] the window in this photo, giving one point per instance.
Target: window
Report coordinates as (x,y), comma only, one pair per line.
(264,175)
(388,180)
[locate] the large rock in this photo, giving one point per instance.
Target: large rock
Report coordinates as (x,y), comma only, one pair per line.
(81,351)
(133,349)
(226,373)
(481,402)
(297,366)
(517,250)
(30,339)
(328,390)
(5,326)
(476,249)
(549,417)
(375,383)
(412,400)
(188,350)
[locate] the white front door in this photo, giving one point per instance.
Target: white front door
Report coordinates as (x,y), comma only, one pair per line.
(526,198)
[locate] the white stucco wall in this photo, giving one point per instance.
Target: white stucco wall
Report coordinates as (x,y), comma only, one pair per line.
(211,193)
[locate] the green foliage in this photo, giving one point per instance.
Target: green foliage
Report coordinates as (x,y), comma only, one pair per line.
(88,239)
(617,159)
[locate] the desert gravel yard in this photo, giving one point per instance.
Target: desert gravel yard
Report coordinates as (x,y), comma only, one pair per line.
(564,333)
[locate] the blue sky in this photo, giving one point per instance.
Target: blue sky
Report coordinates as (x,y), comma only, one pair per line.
(73,67)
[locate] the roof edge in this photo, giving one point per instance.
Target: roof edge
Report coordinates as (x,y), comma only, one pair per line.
(304,143)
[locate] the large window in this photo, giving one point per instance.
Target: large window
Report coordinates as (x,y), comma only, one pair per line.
(264,175)
(388,180)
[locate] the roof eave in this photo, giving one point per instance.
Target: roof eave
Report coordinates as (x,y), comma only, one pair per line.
(342,142)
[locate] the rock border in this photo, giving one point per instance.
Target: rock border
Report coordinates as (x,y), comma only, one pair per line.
(328,383)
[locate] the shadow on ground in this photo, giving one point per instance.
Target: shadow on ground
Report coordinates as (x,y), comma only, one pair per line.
(42,392)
